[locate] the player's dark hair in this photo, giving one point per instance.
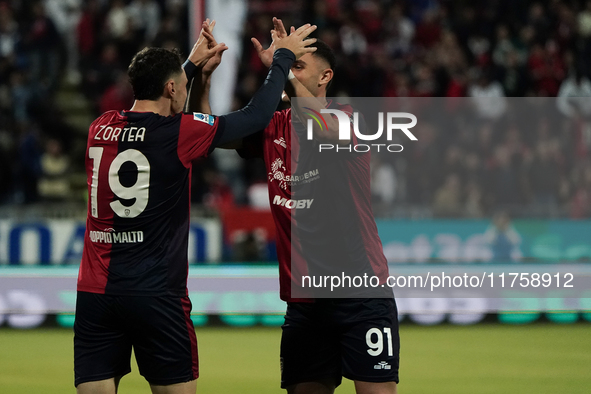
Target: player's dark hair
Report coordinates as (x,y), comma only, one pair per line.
(149,70)
(325,52)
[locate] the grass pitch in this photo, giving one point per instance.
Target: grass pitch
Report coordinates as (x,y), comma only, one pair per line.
(485,358)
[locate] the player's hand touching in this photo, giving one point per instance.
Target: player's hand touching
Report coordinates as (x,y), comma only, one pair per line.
(266,55)
(207,54)
(216,59)
(296,41)
(206,46)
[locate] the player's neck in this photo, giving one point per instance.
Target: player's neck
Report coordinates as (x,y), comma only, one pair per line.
(160,106)
(322,98)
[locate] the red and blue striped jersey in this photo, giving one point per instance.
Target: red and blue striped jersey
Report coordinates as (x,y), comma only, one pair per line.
(138,167)
(321,205)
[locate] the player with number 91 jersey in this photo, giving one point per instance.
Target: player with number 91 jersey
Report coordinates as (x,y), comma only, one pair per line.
(138,167)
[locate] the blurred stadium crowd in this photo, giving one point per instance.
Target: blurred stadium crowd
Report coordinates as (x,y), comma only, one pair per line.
(420,48)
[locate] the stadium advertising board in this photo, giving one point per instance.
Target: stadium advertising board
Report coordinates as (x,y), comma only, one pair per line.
(248,295)
(456,241)
(58,242)
(34,283)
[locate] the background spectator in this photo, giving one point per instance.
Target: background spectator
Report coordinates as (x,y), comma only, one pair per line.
(55,165)
(503,238)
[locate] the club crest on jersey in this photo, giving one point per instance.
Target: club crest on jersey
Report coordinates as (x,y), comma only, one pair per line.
(278,173)
(205,118)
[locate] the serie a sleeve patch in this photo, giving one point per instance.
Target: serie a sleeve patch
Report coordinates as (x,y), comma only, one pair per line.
(205,118)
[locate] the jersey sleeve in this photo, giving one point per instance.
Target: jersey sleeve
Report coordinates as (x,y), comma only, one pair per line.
(252,146)
(197,133)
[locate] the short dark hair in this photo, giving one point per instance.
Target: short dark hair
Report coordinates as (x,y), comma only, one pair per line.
(149,70)
(325,52)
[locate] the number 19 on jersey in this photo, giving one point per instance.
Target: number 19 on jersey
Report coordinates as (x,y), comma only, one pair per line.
(139,191)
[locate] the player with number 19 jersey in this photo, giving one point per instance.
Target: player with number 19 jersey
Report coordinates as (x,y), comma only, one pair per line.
(139,169)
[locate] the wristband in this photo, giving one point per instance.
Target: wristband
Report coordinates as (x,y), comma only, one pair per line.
(290,76)
(189,68)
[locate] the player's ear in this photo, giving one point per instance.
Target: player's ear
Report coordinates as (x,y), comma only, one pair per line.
(326,76)
(169,88)
(166,89)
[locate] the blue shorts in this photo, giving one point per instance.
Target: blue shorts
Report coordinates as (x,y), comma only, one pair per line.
(331,338)
(159,329)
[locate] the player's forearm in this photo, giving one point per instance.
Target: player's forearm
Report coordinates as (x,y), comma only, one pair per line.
(197,89)
(306,101)
(198,95)
(259,111)
(206,83)
(190,70)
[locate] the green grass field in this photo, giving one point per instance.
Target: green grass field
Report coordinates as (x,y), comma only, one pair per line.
(485,358)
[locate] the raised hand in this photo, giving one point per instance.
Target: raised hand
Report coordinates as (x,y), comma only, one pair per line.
(206,46)
(296,41)
(279,28)
(216,59)
(266,55)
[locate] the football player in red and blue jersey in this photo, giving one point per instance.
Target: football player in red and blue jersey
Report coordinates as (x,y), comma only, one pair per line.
(326,200)
(132,283)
